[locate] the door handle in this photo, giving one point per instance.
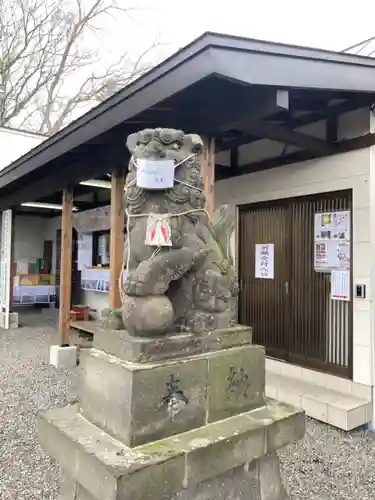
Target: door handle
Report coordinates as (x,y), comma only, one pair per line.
(286,284)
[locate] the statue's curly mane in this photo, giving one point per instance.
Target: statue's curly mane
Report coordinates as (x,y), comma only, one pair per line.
(188,189)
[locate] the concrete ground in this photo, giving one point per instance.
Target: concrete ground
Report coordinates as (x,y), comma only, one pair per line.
(328,464)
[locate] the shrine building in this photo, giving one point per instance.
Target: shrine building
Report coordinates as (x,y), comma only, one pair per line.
(289,136)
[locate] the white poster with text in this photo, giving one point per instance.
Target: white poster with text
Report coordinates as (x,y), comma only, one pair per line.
(340,285)
(264,261)
(332,241)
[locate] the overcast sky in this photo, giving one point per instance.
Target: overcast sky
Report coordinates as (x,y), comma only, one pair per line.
(330,24)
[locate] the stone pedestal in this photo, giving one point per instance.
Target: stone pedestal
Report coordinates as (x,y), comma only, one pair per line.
(195,425)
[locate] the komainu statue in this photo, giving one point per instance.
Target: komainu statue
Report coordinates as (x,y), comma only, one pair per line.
(180,273)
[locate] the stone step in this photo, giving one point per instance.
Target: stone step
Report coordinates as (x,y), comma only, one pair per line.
(102,468)
(329,406)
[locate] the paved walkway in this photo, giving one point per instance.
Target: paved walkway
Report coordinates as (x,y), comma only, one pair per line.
(327,465)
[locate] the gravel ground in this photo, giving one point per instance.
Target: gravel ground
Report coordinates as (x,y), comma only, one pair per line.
(28,384)
(327,465)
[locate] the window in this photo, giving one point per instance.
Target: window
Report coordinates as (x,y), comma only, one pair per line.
(101,242)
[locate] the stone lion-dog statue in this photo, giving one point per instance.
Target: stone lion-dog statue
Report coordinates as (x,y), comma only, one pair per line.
(179,270)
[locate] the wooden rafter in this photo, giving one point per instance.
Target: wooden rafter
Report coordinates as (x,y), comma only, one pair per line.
(278,133)
(333,112)
(365,141)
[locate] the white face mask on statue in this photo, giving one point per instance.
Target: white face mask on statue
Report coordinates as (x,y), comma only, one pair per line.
(155,175)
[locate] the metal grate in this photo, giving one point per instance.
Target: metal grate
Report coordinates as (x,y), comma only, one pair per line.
(293,315)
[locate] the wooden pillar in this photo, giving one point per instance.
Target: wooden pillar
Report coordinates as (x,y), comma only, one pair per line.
(116,257)
(66,265)
(209,173)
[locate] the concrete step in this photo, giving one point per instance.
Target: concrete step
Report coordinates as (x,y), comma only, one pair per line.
(329,406)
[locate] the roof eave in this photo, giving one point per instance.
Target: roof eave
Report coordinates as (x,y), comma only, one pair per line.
(256,68)
(168,84)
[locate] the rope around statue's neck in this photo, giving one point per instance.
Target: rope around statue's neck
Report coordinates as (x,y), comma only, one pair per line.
(129,215)
(158,248)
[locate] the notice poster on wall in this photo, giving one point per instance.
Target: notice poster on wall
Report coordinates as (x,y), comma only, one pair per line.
(84,254)
(264,261)
(332,241)
(340,285)
(5,267)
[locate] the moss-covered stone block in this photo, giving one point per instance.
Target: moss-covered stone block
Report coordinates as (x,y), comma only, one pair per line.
(144,350)
(137,403)
(141,402)
(168,399)
(284,424)
(102,468)
(220,447)
(235,381)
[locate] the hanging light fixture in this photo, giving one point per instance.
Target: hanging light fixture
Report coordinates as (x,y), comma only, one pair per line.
(47,206)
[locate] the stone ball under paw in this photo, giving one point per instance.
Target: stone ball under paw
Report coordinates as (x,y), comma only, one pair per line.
(147,316)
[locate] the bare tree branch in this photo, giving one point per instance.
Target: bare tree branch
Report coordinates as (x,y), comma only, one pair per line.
(49,66)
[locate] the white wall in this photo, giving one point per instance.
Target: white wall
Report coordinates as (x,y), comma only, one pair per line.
(14,144)
(339,172)
(29,236)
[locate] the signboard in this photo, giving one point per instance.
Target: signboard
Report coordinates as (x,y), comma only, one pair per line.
(264,261)
(97,219)
(332,241)
(340,285)
(5,267)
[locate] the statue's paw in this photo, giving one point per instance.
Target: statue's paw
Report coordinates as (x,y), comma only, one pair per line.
(129,288)
(134,287)
(131,285)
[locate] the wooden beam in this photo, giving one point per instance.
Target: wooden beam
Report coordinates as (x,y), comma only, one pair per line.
(332,129)
(81,205)
(208,172)
(222,115)
(278,133)
(234,158)
(345,146)
(66,265)
(117,237)
(60,176)
(261,106)
(297,122)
